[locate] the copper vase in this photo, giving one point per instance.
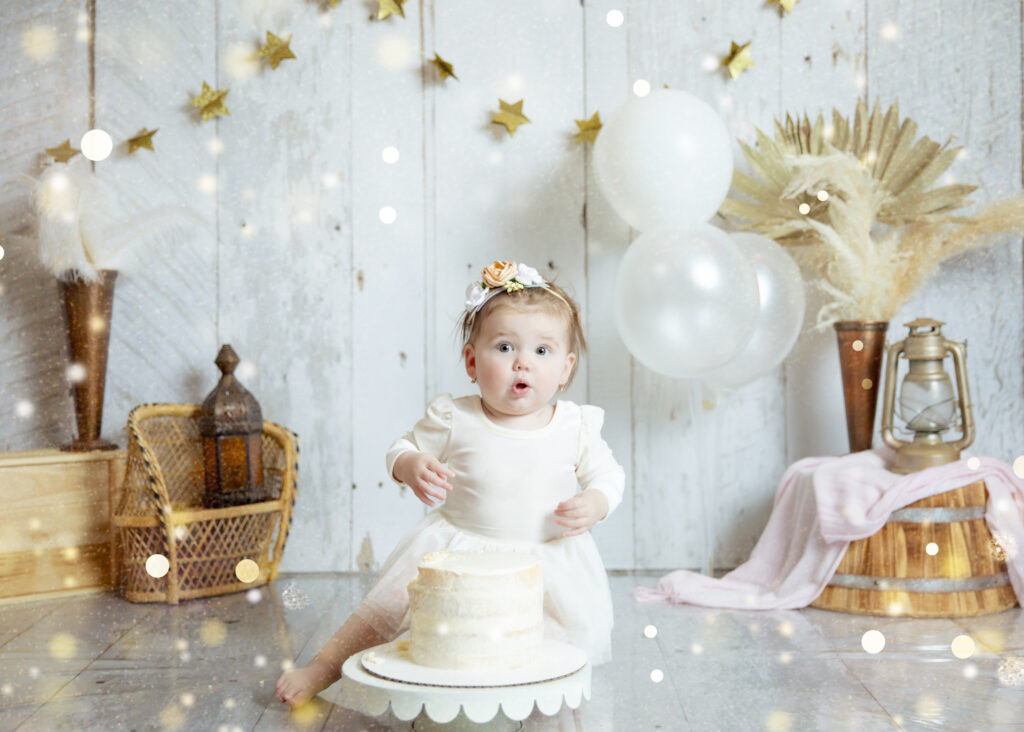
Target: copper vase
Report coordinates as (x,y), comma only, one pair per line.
(861,347)
(88,307)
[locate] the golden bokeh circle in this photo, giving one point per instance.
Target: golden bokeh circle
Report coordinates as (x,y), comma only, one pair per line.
(247,571)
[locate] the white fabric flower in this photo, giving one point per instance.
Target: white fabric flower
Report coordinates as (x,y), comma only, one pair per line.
(476,293)
(528,276)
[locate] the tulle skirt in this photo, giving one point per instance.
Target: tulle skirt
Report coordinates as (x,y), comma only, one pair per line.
(577,599)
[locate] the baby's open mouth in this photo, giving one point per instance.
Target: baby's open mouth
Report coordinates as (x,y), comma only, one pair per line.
(520,387)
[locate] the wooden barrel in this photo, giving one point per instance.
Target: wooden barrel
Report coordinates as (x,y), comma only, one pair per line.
(892,573)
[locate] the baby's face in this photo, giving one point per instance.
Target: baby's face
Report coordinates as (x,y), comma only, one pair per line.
(519,358)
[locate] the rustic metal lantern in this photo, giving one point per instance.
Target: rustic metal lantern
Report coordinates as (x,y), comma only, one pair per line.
(231,427)
(927,403)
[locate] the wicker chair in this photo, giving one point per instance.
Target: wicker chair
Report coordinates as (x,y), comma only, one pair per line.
(161,510)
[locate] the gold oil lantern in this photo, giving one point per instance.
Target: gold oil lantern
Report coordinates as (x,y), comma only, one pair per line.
(927,404)
(231,428)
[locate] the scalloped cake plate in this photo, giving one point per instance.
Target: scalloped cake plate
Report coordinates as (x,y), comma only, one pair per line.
(388,661)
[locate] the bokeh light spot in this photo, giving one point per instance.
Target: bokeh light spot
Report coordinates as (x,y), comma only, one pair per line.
(213,632)
(962,646)
(63,646)
(75,373)
(650,631)
(873,641)
(247,571)
(39,43)
(778,720)
(931,548)
(614,18)
(641,87)
(96,145)
(157,565)
(657,675)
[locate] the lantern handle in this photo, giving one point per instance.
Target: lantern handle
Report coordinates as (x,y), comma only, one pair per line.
(889,399)
(959,353)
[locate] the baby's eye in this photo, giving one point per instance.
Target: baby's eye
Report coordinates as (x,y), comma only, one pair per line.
(542,350)
(505,347)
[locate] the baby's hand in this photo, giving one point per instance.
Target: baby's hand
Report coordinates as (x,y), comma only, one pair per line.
(581,511)
(424,474)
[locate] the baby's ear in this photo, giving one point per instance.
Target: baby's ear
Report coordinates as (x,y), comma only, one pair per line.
(469,354)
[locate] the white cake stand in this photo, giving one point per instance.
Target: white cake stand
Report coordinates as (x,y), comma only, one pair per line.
(453,708)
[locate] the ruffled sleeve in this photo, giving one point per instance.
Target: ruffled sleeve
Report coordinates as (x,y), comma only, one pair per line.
(432,434)
(596,468)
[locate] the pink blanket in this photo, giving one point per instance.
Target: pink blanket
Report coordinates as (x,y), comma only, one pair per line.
(825,503)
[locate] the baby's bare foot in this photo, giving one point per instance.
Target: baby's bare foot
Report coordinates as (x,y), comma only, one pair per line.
(301,684)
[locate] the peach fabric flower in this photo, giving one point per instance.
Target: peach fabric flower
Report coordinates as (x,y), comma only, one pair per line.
(497,274)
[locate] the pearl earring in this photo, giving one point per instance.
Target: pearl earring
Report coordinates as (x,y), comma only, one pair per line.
(561,387)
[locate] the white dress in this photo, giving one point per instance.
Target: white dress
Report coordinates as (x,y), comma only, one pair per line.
(506,487)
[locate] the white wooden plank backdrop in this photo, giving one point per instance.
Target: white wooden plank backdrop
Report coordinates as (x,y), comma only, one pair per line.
(346,323)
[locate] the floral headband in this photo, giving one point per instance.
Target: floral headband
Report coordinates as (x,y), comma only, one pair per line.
(503,277)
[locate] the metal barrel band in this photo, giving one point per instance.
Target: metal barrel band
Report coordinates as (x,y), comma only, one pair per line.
(938,515)
(920,584)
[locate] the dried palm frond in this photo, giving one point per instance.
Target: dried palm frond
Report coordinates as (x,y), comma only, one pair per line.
(853,179)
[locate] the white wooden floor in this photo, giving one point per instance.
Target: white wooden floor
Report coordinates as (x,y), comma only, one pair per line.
(96,662)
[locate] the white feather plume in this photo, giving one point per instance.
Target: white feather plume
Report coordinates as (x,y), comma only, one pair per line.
(83,226)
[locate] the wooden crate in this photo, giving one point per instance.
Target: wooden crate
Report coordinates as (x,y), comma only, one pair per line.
(55,530)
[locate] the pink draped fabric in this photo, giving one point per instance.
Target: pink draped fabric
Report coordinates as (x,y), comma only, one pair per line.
(822,505)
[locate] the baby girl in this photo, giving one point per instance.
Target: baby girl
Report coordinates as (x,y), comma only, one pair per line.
(503,472)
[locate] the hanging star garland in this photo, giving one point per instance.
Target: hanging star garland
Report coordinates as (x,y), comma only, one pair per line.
(276,49)
(143,138)
(786,5)
(511,115)
(387,8)
(444,68)
(738,59)
(210,102)
(63,152)
(588,129)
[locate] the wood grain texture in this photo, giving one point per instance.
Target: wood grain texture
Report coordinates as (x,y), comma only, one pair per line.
(824,67)
(45,100)
(975,99)
(963,549)
(388,264)
(347,323)
(284,261)
(149,62)
(55,530)
(608,367)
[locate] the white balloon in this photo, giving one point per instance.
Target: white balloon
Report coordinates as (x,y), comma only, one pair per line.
(685,301)
(780,317)
(664,161)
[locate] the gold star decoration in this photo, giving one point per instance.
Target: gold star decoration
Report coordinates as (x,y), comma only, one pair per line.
(511,115)
(444,68)
(786,5)
(210,102)
(738,59)
(588,128)
(389,7)
(276,49)
(63,152)
(143,138)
